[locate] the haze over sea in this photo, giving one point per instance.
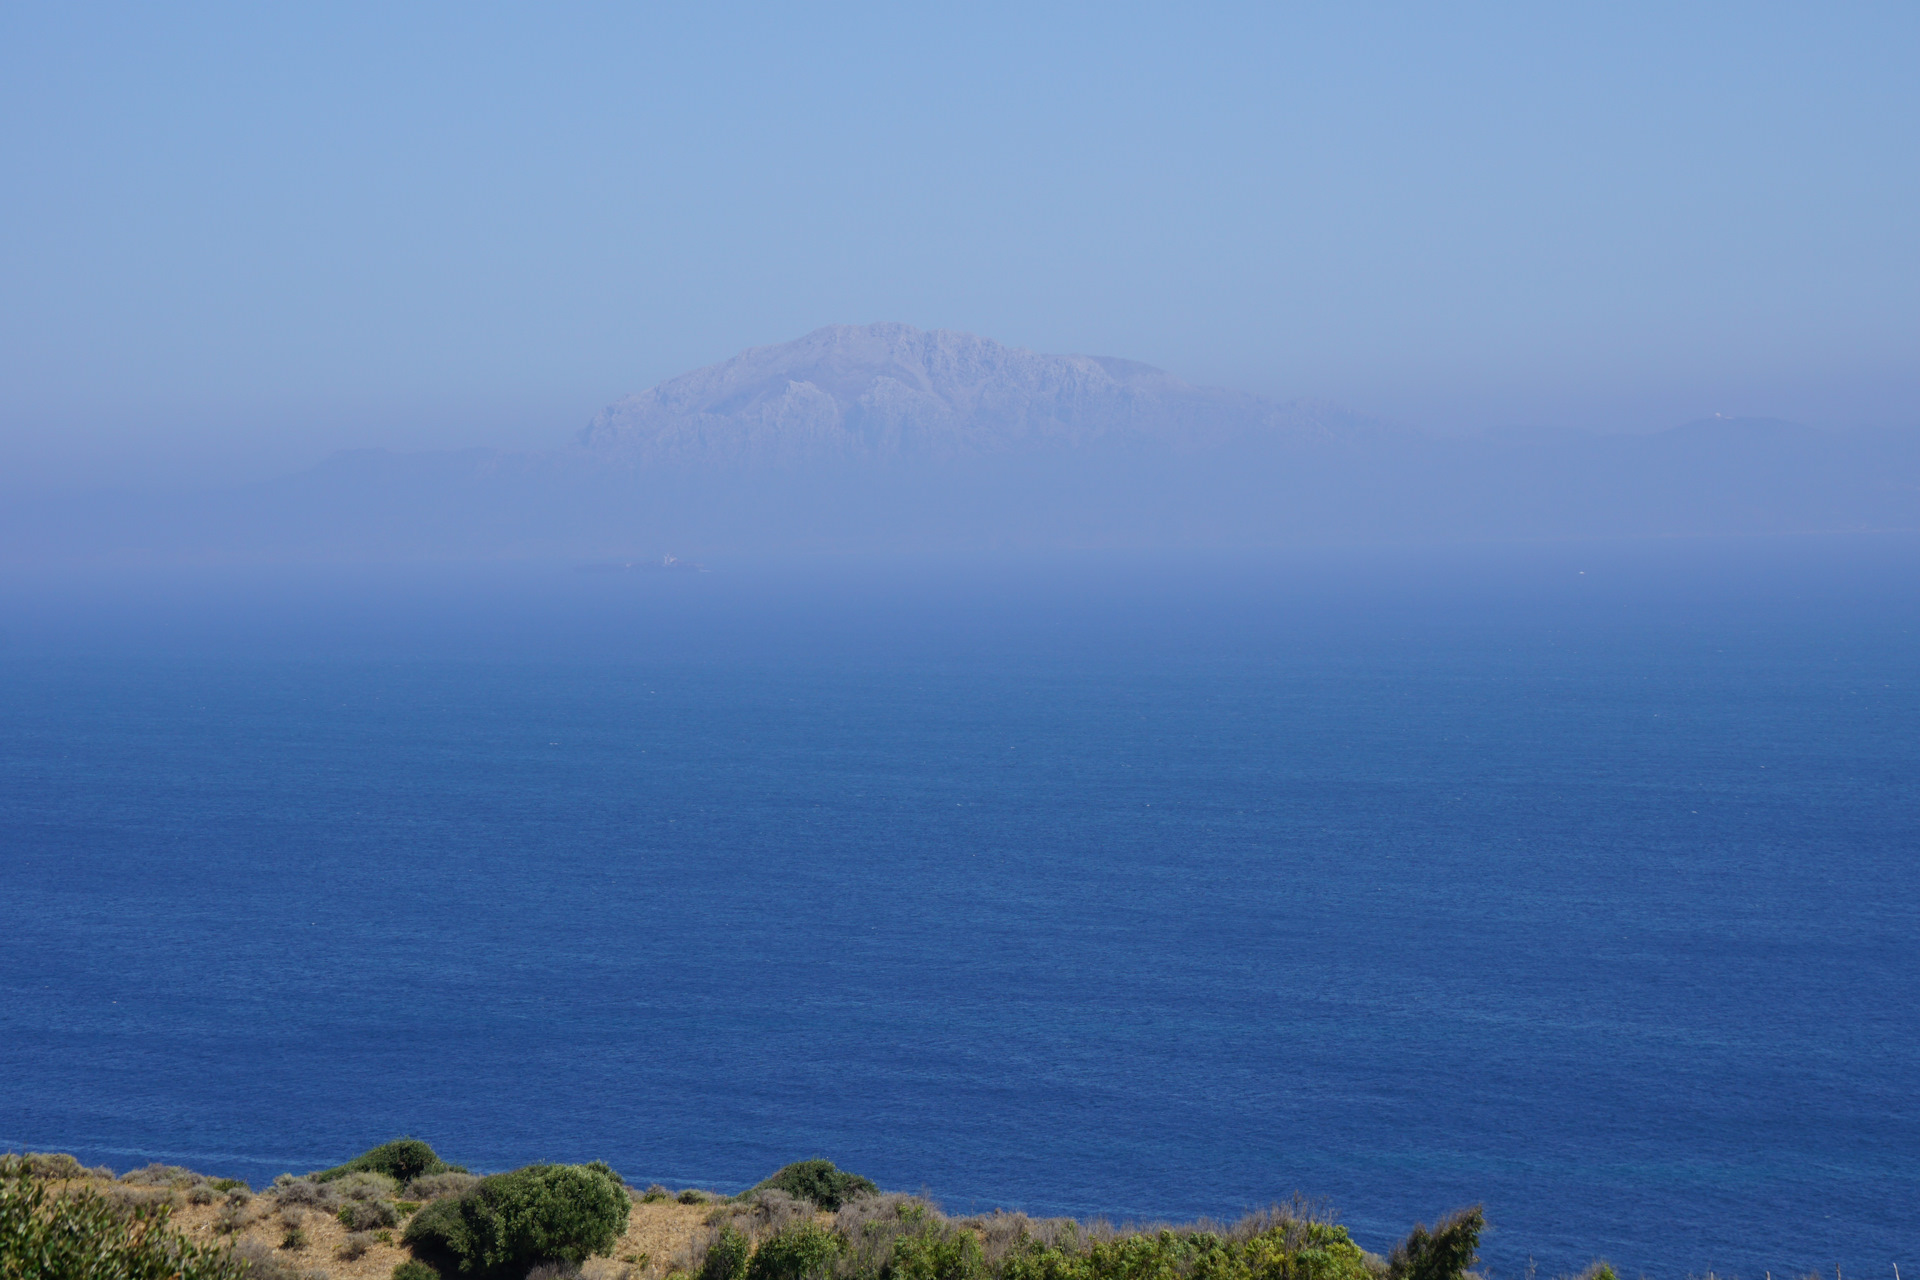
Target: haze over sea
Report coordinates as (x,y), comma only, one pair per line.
(1576,879)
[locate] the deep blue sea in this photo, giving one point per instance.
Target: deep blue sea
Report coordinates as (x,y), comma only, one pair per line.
(1579,881)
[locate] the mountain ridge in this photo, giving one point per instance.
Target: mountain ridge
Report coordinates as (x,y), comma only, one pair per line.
(859,437)
(889,390)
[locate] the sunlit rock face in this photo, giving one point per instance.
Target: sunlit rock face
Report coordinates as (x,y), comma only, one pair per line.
(892,391)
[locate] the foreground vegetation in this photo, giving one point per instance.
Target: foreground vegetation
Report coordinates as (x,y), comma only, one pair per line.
(808,1221)
(87,1236)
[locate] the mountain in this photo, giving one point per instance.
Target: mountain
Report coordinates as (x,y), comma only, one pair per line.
(892,392)
(888,437)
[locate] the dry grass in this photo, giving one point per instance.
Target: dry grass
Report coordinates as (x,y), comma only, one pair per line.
(160,1175)
(55,1165)
(655,1232)
(435,1185)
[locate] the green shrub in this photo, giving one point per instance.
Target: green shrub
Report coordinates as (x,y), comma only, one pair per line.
(414,1269)
(84,1237)
(508,1223)
(403,1160)
(802,1251)
(820,1182)
(440,1230)
(888,1236)
(936,1252)
(1283,1248)
(1304,1250)
(727,1255)
(1444,1253)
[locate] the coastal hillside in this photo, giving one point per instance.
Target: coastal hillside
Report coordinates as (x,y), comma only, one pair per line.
(297,1230)
(400,1211)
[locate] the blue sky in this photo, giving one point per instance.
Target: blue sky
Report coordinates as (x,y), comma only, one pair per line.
(235,237)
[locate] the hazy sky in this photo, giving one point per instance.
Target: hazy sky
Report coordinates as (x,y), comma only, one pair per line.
(234,237)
